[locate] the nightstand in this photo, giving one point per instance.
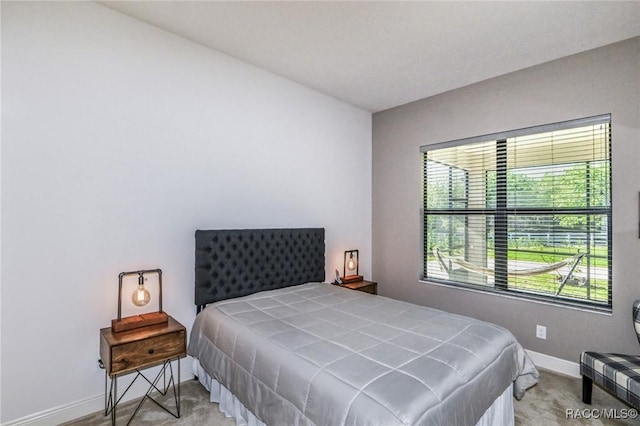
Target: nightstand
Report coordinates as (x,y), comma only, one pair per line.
(364,286)
(134,350)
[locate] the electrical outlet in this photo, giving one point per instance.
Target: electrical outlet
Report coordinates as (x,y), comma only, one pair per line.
(541,332)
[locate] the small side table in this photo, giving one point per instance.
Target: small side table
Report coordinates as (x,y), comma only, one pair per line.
(364,286)
(134,350)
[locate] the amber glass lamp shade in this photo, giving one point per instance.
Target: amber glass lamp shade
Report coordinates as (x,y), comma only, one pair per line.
(140,296)
(352,263)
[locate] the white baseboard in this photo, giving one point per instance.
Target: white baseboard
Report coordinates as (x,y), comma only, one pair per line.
(81,408)
(557,365)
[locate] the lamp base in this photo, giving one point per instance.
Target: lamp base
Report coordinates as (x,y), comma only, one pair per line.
(138,321)
(351,279)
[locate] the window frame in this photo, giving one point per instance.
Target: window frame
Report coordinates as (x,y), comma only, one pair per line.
(501,208)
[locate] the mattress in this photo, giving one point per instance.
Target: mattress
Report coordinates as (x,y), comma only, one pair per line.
(321,354)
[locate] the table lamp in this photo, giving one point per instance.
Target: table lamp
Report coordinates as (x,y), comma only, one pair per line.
(351,265)
(140,297)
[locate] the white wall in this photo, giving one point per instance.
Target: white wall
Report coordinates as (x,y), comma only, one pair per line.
(604,80)
(119,140)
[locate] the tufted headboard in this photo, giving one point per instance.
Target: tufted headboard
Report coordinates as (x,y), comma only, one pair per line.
(238,262)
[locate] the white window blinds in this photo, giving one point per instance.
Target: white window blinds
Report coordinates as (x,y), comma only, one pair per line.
(526,211)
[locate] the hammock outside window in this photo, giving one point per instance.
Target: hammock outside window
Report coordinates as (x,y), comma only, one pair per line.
(573,262)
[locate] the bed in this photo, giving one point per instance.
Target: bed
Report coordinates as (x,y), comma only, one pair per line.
(276,345)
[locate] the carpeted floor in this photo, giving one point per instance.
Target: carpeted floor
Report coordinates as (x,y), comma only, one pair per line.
(545,404)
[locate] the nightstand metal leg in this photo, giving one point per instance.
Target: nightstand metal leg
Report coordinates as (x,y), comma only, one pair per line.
(178,397)
(115,394)
(112,400)
(106,395)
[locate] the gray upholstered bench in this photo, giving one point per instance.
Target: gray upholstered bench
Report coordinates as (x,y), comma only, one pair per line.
(617,374)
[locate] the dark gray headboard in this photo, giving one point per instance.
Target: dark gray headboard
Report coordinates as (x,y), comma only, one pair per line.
(238,262)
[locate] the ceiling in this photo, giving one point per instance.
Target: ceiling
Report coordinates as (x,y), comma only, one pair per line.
(378,55)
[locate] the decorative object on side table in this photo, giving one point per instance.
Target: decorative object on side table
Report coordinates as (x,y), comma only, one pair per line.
(138,342)
(140,297)
(351,267)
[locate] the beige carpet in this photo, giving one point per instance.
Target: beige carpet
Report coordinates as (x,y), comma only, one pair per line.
(547,403)
(544,404)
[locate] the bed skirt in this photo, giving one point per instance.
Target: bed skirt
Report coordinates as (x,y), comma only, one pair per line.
(499,413)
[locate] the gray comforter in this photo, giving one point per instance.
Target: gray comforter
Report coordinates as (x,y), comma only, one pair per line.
(321,354)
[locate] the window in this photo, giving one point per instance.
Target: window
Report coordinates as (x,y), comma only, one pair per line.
(525,212)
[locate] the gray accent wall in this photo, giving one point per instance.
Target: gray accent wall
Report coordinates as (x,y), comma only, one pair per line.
(604,80)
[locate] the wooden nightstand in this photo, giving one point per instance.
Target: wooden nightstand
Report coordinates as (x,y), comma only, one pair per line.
(131,351)
(364,286)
